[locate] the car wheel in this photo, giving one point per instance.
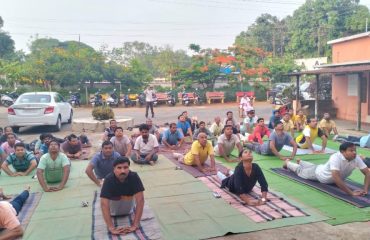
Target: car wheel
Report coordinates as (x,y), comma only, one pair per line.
(15,129)
(70,117)
(58,125)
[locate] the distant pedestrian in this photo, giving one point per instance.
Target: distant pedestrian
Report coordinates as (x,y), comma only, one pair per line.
(149,98)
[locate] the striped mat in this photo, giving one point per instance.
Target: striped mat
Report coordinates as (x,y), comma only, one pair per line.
(149,228)
(276,208)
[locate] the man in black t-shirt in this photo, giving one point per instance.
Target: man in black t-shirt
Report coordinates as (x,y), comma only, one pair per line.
(122,190)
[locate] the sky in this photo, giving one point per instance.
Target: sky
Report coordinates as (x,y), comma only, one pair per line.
(177,23)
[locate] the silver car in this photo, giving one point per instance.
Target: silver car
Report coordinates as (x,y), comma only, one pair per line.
(38,109)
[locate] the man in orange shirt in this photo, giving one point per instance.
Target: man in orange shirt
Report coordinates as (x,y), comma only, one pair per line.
(259,132)
(8,215)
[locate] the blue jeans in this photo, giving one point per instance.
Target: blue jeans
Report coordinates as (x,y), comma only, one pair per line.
(18,202)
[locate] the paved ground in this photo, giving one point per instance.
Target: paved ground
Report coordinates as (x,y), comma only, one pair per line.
(206,113)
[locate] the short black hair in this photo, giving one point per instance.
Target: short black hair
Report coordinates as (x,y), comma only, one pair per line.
(309,119)
(143,127)
(173,124)
(71,136)
(9,134)
(106,143)
(344,146)
(121,160)
(277,121)
(112,120)
(55,141)
(243,151)
(202,122)
(178,117)
(226,126)
(260,119)
(117,129)
(19,144)
(46,135)
(228,112)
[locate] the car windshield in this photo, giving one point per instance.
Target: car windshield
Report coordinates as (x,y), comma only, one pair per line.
(37,98)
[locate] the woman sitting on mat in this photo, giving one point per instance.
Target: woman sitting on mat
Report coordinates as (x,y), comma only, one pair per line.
(244,178)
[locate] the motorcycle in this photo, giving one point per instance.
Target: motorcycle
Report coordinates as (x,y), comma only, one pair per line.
(74,99)
(142,101)
(185,99)
(9,98)
(97,100)
(113,99)
(197,99)
(155,101)
(128,102)
(171,99)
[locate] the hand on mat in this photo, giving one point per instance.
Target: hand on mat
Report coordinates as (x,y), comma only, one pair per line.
(117,230)
(318,151)
(358,193)
(129,229)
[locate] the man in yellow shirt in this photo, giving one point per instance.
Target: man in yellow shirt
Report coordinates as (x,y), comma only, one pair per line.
(309,134)
(300,121)
(327,125)
(198,155)
(288,124)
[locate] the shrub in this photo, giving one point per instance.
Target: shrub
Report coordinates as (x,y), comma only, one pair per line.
(103,113)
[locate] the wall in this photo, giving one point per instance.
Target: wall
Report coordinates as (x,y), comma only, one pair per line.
(347,105)
(352,51)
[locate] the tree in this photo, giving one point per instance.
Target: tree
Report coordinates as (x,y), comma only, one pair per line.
(267,32)
(6,43)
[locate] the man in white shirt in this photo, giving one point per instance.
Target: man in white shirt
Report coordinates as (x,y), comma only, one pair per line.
(245,105)
(146,147)
(226,144)
(149,92)
(217,127)
(336,170)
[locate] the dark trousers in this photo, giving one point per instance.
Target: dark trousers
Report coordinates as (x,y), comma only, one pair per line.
(18,202)
(149,104)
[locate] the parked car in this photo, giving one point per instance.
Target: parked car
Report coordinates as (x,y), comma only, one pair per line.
(38,109)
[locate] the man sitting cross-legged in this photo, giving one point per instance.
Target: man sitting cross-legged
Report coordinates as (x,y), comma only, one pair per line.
(22,161)
(146,147)
(102,163)
(9,223)
(244,178)
(309,134)
(198,155)
(327,126)
(54,167)
(226,144)
(217,127)
(336,170)
(184,126)
(276,142)
(121,143)
(173,137)
(122,191)
(72,147)
(202,129)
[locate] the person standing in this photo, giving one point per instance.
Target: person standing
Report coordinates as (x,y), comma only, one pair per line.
(149,92)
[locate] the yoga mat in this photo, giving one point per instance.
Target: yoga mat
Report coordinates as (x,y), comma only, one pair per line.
(276,208)
(301,151)
(149,227)
(330,189)
(192,169)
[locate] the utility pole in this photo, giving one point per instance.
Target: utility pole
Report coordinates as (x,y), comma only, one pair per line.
(318,41)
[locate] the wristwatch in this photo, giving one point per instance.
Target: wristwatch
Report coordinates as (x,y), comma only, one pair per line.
(263,199)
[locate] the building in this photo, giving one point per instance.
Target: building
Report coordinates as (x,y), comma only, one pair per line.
(347,88)
(350,71)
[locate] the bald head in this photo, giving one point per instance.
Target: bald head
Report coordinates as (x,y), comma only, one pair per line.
(217,120)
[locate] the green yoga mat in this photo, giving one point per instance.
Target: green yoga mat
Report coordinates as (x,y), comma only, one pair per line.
(339,211)
(184,206)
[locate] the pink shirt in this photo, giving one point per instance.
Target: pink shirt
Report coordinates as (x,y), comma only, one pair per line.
(8,149)
(8,216)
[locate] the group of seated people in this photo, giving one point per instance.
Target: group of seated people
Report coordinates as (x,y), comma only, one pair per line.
(122,189)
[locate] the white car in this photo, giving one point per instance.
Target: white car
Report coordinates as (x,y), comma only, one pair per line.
(38,109)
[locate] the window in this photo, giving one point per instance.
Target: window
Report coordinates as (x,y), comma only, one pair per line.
(37,98)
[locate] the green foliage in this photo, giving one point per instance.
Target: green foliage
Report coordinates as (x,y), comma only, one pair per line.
(306,32)
(102,113)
